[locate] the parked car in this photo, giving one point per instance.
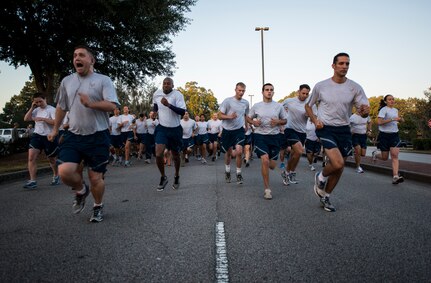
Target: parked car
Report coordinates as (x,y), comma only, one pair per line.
(6,134)
(404,143)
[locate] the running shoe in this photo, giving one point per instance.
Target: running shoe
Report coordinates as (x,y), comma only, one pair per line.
(239,179)
(397,180)
(359,170)
(148,161)
(247,164)
(162,184)
(327,204)
(176,184)
(79,202)
(284,178)
(227,177)
(55,180)
(203,161)
(97,215)
(312,167)
(127,163)
(213,159)
(267,195)
(374,155)
(291,177)
(319,186)
(30,185)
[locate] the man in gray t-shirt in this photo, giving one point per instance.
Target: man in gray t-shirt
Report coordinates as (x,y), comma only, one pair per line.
(232,113)
(335,97)
(88,97)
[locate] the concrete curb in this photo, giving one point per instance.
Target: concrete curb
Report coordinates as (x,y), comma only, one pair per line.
(409,175)
(23,174)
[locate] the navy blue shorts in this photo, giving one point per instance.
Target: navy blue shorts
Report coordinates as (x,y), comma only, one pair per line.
(213,138)
(336,137)
(127,136)
(266,144)
(387,140)
(359,139)
(231,139)
(188,143)
(116,141)
(282,141)
(172,138)
(202,139)
(141,138)
(312,146)
(293,136)
(248,139)
(43,144)
(93,149)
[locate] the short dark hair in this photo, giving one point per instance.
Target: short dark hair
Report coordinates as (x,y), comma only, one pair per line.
(263,87)
(339,55)
(241,84)
(89,50)
(304,86)
(38,94)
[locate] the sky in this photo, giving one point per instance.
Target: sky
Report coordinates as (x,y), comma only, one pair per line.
(388,42)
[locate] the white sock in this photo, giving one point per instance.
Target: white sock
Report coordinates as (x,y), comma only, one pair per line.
(227,168)
(238,170)
(97,204)
(82,191)
(322,178)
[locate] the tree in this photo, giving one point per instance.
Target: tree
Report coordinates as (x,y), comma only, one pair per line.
(15,109)
(199,100)
(130,37)
(292,94)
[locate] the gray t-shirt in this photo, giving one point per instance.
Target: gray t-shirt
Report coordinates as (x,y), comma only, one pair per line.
(335,101)
(296,116)
(83,120)
(265,111)
(232,105)
(387,113)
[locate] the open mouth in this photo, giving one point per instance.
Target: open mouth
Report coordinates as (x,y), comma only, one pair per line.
(79,65)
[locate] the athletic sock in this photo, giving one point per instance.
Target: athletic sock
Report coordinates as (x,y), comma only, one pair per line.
(227,168)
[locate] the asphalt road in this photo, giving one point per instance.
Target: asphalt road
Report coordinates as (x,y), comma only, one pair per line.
(380,232)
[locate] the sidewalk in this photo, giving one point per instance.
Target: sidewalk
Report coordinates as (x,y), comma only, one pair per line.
(408,169)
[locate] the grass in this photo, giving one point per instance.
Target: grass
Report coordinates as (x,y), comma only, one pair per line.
(18,162)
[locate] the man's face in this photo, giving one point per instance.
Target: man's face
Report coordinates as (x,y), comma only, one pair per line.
(83,61)
(239,92)
(116,111)
(40,102)
(303,94)
(215,116)
(186,116)
(125,110)
(197,118)
(341,66)
(268,92)
(168,85)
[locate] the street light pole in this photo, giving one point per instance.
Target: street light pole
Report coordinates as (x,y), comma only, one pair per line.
(251,99)
(262,29)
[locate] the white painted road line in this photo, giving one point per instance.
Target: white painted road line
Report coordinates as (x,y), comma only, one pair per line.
(222,271)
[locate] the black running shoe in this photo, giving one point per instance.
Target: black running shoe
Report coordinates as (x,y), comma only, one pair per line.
(227,177)
(97,215)
(79,202)
(176,184)
(239,179)
(162,184)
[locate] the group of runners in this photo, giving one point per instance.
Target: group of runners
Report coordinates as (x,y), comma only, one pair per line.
(320,119)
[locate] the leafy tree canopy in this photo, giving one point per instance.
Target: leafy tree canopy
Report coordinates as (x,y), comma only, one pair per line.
(131,38)
(199,100)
